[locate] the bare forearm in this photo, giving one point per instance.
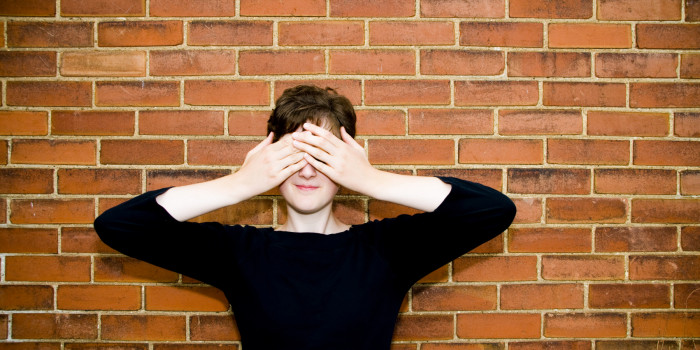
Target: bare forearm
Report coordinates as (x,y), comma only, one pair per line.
(419,192)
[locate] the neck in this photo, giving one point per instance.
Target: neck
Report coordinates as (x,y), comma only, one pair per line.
(322,221)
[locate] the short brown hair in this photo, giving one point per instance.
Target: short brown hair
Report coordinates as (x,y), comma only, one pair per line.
(308,103)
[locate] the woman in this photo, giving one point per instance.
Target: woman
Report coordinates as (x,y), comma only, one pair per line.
(314,282)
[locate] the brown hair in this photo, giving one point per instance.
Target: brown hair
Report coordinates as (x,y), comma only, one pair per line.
(307,103)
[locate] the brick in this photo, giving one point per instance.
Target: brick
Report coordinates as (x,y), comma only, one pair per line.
(686,296)
(181,122)
(195,346)
(143,327)
(411,151)
(26,297)
(686,124)
(222,92)
(690,182)
(457,62)
(52,211)
(454,298)
(251,123)
(666,324)
(38,151)
(54,326)
(262,62)
(690,66)
(529,210)
(103,8)
(583,267)
(193,62)
(664,95)
(550,345)
(167,298)
(549,240)
(541,296)
(585,325)
(692,10)
(124,269)
(26,180)
(499,34)
(185,8)
(82,240)
(90,122)
(589,35)
(500,151)
(27,64)
(555,181)
(142,152)
(411,33)
(531,122)
(635,239)
(450,121)
(229,33)
(411,92)
(368,8)
(490,93)
(211,327)
(629,296)
(28,8)
(47,268)
(99,181)
(23,123)
(606,123)
(286,8)
(499,325)
(250,212)
(3,153)
(463,8)
(549,64)
(690,238)
(49,93)
(630,10)
(668,36)
(98,297)
(494,268)
(156,179)
(635,181)
(352,89)
(664,268)
(317,33)
(140,33)
(106,346)
(28,240)
(138,93)
(49,34)
(4,321)
(549,9)
(586,151)
(586,210)
(685,153)
(487,177)
(636,65)
(680,211)
(103,64)
(219,152)
(384,62)
(380,122)
(584,94)
(627,344)
(424,327)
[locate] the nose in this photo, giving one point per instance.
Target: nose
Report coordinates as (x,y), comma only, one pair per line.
(307,171)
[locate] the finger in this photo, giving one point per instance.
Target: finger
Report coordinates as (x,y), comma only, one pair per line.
(291,159)
(317,141)
(293,168)
(319,165)
(349,140)
(315,152)
(266,142)
(321,132)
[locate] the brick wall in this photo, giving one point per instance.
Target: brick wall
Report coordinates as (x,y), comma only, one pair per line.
(585,112)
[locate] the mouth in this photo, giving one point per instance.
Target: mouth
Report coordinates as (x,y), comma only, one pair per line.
(306,187)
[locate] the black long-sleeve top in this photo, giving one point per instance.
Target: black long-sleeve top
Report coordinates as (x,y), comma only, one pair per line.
(292,290)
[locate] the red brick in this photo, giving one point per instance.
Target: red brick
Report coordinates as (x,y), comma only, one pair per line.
(193,62)
(106,346)
(583,267)
(454,298)
(259,62)
(28,8)
(667,324)
(210,152)
(27,64)
(585,325)
(549,64)
(140,33)
(666,210)
(104,64)
(541,296)
(685,153)
(664,95)
(26,180)
(53,152)
(185,8)
(635,239)
(605,123)
(380,122)
(584,94)
(631,10)
(456,62)
(692,10)
(142,152)
(352,89)
(98,297)
(412,92)
(690,66)
(230,33)
(690,238)
(498,325)
(635,181)
(583,151)
(3,153)
(99,181)
(321,33)
(227,92)
(529,210)
(668,36)
(686,124)
(549,9)
(92,123)
(411,151)
(49,93)
(143,327)
(530,122)
(167,298)
(487,177)
(26,297)
(629,296)
(47,268)
(54,326)
(52,211)
(124,269)
(586,210)
(500,151)
(549,240)
(462,8)
(490,93)
(250,212)
(138,93)
(450,121)
(627,344)
(383,62)
(664,268)
(589,35)
(210,327)
(636,65)
(82,240)
(513,34)
(556,181)
(286,8)
(251,123)
(185,346)
(28,240)
(411,33)
(686,296)
(181,122)
(23,123)
(552,345)
(424,327)
(494,268)
(103,8)
(369,8)
(690,182)
(381,209)
(49,34)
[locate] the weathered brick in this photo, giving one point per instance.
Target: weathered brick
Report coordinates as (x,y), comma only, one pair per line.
(664,95)
(185,8)
(456,298)
(321,33)
(556,181)
(103,8)
(514,34)
(424,327)
(103,64)
(496,93)
(99,181)
(550,9)
(28,240)
(664,267)
(382,209)
(138,93)
(541,296)
(26,180)
(28,8)
(635,181)
(690,238)
(686,124)
(286,8)
(259,62)
(583,267)
(411,151)
(629,296)
(250,212)
(587,151)
(636,65)
(532,122)
(49,34)
(124,269)
(666,324)
(412,92)
(666,210)
(458,62)
(47,268)
(606,123)
(211,327)
(668,36)
(585,325)
(49,93)
(92,123)
(584,94)
(382,62)
(350,88)
(27,64)
(139,33)
(98,297)
(551,345)
(690,66)
(683,153)
(226,92)
(549,64)
(167,298)
(251,123)
(630,10)
(82,240)
(26,297)
(499,151)
(487,177)
(450,121)
(181,122)
(192,62)
(549,240)
(38,151)
(586,210)
(494,268)
(686,296)
(529,210)
(463,8)
(229,33)
(143,327)
(156,179)
(692,11)
(142,152)
(380,122)
(368,8)
(411,33)
(589,35)
(23,123)
(627,344)
(690,182)
(498,325)
(218,152)
(54,326)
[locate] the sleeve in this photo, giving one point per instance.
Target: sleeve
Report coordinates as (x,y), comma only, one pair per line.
(470,215)
(142,229)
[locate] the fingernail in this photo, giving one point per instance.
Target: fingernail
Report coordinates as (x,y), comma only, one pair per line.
(295,134)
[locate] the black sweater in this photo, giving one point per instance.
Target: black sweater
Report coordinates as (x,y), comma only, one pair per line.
(307,290)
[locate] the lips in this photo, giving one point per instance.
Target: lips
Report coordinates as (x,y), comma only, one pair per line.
(306,187)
